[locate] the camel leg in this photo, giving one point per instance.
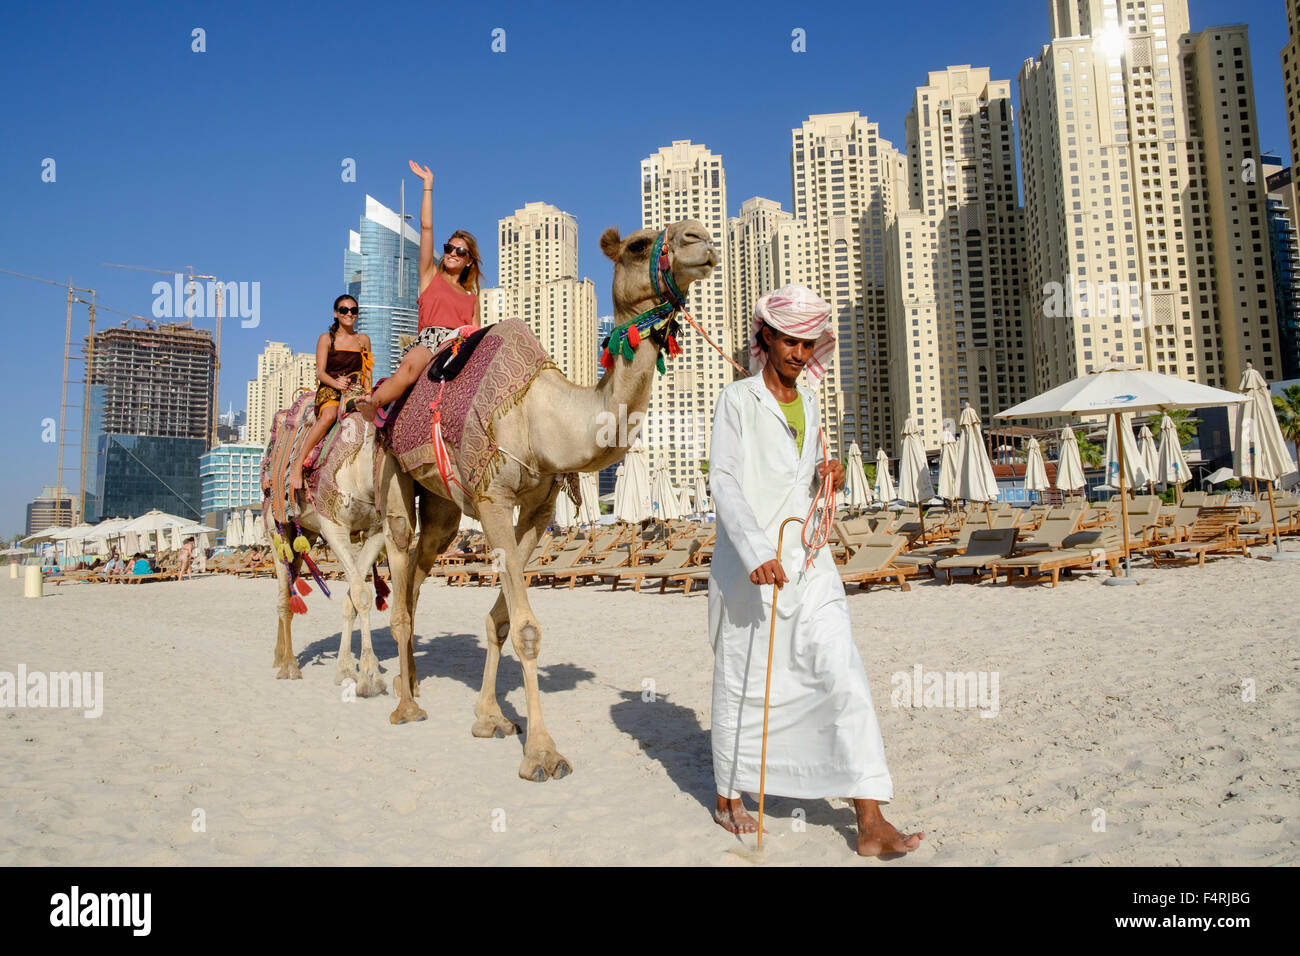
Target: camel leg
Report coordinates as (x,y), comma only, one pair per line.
(356,603)
(489,720)
(541,760)
(284,654)
(399,529)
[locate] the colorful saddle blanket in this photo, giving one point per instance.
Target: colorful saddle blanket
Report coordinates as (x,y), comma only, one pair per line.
(492,380)
(289,429)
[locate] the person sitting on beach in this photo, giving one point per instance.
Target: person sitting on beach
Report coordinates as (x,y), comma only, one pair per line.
(115,566)
(343,357)
(448,301)
(140,564)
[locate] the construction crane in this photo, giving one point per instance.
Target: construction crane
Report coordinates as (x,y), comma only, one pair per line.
(216,358)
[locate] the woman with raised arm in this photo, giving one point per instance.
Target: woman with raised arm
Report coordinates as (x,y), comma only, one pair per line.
(343,356)
(448,301)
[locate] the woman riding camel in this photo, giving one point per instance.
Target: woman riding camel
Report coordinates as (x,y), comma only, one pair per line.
(448,301)
(343,357)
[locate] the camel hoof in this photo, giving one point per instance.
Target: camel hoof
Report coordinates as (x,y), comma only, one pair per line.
(289,671)
(346,670)
(561,769)
(497,727)
(406,711)
(370,686)
(545,766)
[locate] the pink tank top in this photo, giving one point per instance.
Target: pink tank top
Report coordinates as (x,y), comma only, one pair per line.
(445,307)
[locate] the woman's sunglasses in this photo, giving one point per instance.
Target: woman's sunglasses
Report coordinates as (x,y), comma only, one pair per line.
(450,250)
(344,310)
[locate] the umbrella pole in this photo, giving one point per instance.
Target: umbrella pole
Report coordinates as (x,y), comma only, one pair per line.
(1272,511)
(1123,498)
(767,690)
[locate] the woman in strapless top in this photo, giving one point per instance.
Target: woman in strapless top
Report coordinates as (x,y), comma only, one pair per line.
(448,301)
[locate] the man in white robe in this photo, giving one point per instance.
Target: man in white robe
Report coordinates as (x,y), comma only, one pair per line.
(823,740)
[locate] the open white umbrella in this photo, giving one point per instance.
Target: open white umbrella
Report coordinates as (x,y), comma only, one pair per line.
(589,513)
(1113,390)
(1069,467)
(200,534)
(1261,451)
(154,521)
(702,502)
(1150,457)
(1171,467)
(975,478)
(857,492)
(1219,476)
(914,485)
(948,466)
(1035,468)
(1134,471)
(632,501)
(885,490)
(663,498)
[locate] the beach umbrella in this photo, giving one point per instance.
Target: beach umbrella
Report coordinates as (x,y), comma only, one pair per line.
(152,521)
(948,466)
(1219,476)
(1069,466)
(1150,457)
(1171,467)
(632,504)
(234,537)
(702,502)
(1036,468)
(684,501)
(130,542)
(975,478)
(252,531)
(663,498)
(177,540)
(1134,471)
(857,493)
(589,513)
(914,483)
(566,516)
(160,540)
(1261,450)
(885,490)
(1112,390)
(200,534)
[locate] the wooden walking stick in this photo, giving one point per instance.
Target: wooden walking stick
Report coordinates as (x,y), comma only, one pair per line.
(767,691)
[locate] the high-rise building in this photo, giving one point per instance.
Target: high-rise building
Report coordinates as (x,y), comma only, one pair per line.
(281,375)
(1139,235)
(1284,253)
(53,507)
(539,284)
(231,478)
(1291,87)
(956,332)
(154,386)
(687,181)
(381,270)
(753,252)
(848,183)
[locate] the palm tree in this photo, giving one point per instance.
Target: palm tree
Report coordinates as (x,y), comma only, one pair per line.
(1287,406)
(1186,425)
(1090,452)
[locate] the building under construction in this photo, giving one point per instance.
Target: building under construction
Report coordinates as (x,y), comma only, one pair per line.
(151,392)
(155,381)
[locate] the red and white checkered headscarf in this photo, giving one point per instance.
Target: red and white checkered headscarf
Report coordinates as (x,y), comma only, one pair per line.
(800,312)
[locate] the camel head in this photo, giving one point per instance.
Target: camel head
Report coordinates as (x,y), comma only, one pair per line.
(691,253)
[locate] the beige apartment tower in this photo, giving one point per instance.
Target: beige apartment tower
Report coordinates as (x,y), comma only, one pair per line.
(1291,89)
(754,255)
(281,375)
(957,332)
(847,185)
(1138,219)
(538,248)
(687,181)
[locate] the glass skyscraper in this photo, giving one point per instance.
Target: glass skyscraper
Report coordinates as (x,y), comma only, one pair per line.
(139,472)
(381,269)
(231,477)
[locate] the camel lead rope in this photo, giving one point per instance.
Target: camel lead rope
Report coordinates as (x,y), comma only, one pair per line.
(767,691)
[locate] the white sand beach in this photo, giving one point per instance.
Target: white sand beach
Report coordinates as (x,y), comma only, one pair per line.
(1121,735)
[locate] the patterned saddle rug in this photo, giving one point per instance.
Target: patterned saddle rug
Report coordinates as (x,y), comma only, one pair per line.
(495,377)
(289,429)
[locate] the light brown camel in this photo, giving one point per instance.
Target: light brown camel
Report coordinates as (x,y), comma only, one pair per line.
(350,505)
(557,428)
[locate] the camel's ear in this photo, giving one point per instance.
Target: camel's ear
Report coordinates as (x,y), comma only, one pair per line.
(610,243)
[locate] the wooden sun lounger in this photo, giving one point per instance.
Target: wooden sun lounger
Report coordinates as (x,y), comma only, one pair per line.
(1213,532)
(1082,549)
(986,548)
(673,562)
(873,563)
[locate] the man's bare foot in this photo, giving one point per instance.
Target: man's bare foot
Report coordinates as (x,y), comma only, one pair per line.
(732,816)
(295,478)
(877,836)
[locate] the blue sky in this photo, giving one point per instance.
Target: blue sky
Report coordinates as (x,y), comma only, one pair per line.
(229,160)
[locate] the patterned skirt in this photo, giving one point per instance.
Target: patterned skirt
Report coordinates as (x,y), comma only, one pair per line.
(431,338)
